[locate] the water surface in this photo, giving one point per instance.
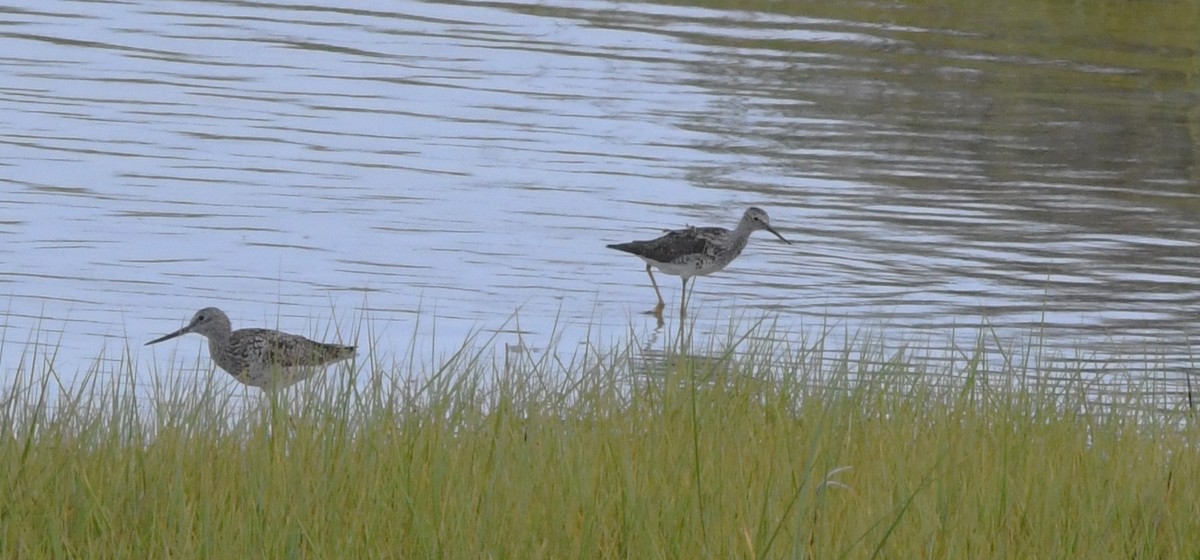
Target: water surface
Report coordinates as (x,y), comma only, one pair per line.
(446,168)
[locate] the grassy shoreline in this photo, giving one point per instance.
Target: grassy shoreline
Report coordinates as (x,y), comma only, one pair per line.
(761,453)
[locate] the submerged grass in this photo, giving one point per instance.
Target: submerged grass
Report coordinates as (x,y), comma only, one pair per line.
(769,451)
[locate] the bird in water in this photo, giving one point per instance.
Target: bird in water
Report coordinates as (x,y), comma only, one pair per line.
(263,358)
(696,251)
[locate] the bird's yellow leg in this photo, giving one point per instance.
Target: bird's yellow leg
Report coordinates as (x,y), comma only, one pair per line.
(683,300)
(658,309)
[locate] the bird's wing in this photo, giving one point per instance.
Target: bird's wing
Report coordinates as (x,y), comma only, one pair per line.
(290,350)
(678,243)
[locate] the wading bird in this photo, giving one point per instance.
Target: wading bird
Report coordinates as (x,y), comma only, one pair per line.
(696,251)
(260,357)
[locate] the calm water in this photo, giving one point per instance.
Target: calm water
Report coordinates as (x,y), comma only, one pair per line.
(443,168)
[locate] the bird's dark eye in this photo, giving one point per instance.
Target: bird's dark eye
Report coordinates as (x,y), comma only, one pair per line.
(200,317)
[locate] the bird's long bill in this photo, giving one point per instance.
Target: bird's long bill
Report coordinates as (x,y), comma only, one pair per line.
(772,230)
(179,332)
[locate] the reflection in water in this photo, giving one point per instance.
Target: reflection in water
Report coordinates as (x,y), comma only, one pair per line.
(437,167)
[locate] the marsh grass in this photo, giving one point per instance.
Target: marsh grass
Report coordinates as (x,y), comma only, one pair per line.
(750,447)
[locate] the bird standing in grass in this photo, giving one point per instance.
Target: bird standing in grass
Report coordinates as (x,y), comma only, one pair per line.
(260,357)
(696,251)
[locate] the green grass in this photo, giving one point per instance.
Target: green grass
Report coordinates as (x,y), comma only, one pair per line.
(773,451)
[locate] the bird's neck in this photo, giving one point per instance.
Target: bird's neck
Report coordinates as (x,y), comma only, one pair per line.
(742,232)
(736,239)
(739,240)
(743,229)
(218,339)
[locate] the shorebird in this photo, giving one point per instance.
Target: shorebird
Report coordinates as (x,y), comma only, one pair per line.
(263,358)
(696,251)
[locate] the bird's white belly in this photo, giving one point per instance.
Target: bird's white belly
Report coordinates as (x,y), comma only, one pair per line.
(279,377)
(686,267)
